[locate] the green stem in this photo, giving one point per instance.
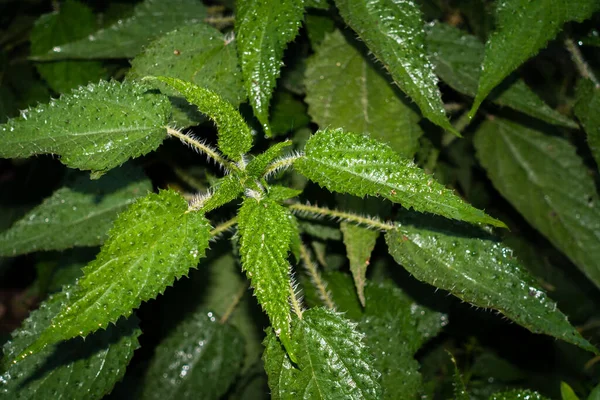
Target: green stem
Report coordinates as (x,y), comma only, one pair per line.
(282,163)
(236,300)
(582,66)
(369,222)
(219,229)
(295,302)
(202,148)
(220,21)
(316,277)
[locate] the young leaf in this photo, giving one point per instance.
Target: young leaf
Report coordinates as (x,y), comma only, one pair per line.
(478,269)
(257,166)
(97,127)
(225,190)
(72,22)
(235,137)
(351,163)
(457,57)
(344,89)
(125,38)
(281,193)
(567,392)
(263,29)
(545,180)
(78,369)
(150,245)
(332,361)
(537,22)
(200,359)
(79,214)
(517,394)
(265,236)
(460,391)
(588,102)
(398,41)
(359,242)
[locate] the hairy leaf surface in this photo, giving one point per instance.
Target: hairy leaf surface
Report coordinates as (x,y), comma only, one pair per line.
(200,359)
(97,127)
(523,28)
(258,165)
(344,89)
(332,362)
(79,214)
(360,243)
(263,29)
(150,245)
(546,181)
(586,109)
(393,31)
(478,269)
(457,57)
(125,38)
(78,369)
(351,163)
(225,190)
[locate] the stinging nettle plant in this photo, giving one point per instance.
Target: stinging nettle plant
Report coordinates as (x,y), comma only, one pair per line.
(307,176)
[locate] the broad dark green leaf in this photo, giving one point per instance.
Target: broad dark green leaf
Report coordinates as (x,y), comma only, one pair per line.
(478,269)
(344,89)
(73,21)
(263,29)
(78,214)
(265,229)
(150,245)
(320,230)
(235,137)
(287,113)
(524,27)
(257,166)
(126,37)
(97,127)
(595,394)
(200,359)
(394,32)
(518,394)
(317,27)
(457,57)
(586,109)
(226,190)
(77,369)
(332,361)
(360,243)
(356,164)
(546,181)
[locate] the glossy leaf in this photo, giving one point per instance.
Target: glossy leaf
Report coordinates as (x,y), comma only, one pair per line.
(344,89)
(263,29)
(478,269)
(537,22)
(150,245)
(226,190)
(72,22)
(518,394)
(457,57)
(332,361)
(567,392)
(360,243)
(77,369)
(257,166)
(78,214)
(126,37)
(265,230)
(235,137)
(398,41)
(97,127)
(588,103)
(356,164)
(546,181)
(200,359)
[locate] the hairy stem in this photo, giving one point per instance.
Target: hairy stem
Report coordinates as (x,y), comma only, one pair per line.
(369,222)
(202,148)
(582,66)
(315,277)
(223,227)
(295,302)
(220,21)
(234,303)
(282,163)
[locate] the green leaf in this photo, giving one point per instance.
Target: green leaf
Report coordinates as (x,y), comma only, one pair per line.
(478,269)
(595,394)
(281,193)
(588,102)
(356,164)
(72,22)
(97,127)
(226,190)
(518,394)
(257,167)
(344,89)
(200,359)
(78,214)
(460,391)
(317,26)
(263,29)
(287,114)
(125,38)
(545,180)
(320,230)
(394,32)
(457,57)
(537,21)
(332,361)
(265,229)
(150,245)
(360,243)
(77,369)
(567,392)
(235,137)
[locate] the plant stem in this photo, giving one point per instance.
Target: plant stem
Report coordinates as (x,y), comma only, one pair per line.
(582,66)
(202,148)
(219,229)
(220,21)
(295,302)
(316,277)
(370,222)
(236,300)
(282,163)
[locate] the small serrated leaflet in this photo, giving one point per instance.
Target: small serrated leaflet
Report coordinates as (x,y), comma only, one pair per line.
(359,243)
